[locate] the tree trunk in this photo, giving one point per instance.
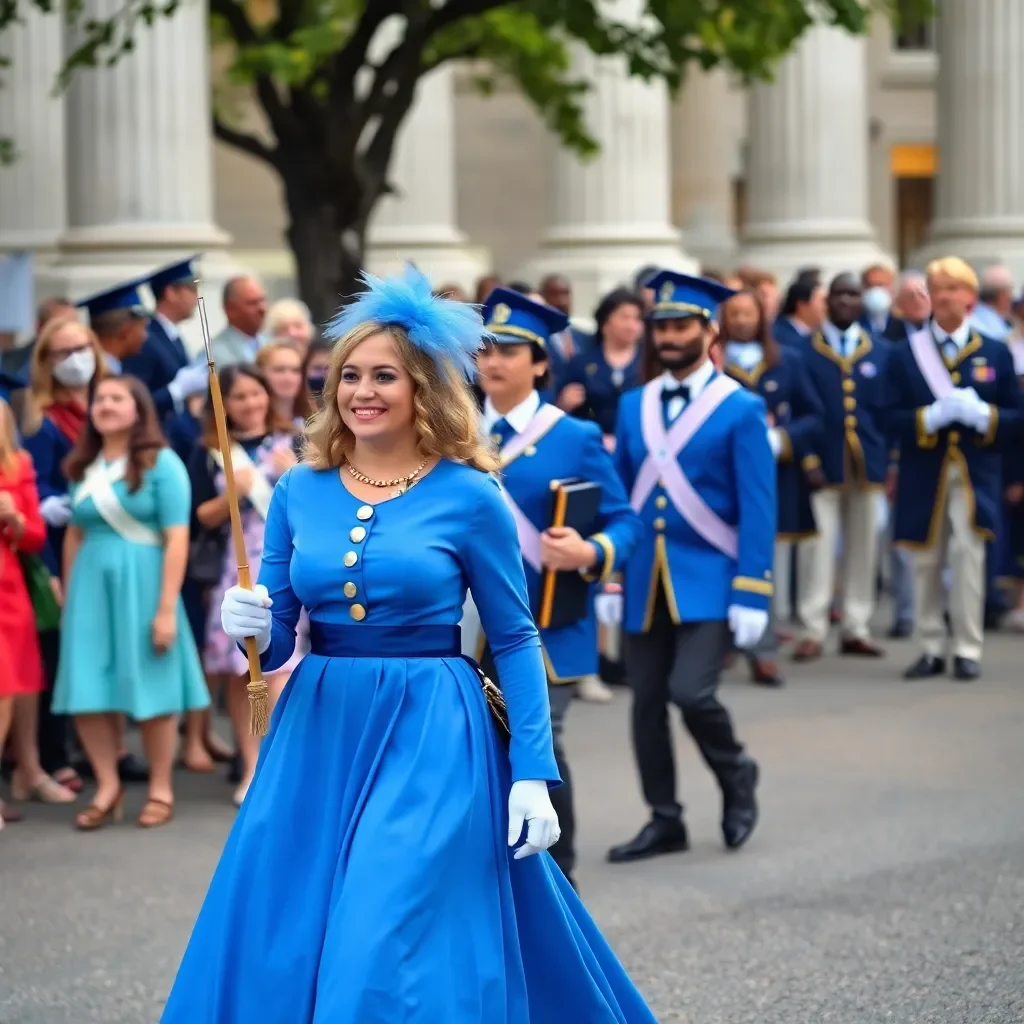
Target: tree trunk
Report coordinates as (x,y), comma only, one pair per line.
(328,258)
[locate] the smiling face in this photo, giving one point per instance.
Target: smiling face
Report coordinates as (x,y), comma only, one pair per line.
(283,370)
(113,409)
(247,405)
(375,390)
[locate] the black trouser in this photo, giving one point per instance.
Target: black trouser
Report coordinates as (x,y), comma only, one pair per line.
(679,665)
(560,697)
(54,733)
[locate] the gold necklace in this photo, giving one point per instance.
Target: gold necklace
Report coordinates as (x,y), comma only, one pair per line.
(401,482)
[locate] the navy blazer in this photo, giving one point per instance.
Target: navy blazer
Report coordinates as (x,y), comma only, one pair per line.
(786,334)
(156,364)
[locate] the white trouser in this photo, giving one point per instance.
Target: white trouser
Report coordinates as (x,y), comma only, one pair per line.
(965,550)
(851,513)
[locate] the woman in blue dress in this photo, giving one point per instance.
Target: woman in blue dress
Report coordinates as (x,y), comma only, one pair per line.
(370,876)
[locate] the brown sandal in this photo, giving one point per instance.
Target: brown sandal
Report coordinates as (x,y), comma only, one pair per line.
(94,816)
(155,813)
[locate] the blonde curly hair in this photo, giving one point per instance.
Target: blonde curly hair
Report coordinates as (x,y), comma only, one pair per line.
(445,412)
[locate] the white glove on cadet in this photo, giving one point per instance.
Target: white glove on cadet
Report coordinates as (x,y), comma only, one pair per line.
(56,510)
(608,609)
(940,413)
(747,625)
(245,613)
(529,803)
(188,381)
(775,441)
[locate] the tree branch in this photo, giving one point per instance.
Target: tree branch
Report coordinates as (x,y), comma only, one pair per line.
(245,142)
(455,10)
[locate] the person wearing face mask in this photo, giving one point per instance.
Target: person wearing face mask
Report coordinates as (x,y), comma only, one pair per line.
(878,283)
(314,370)
(758,362)
(692,447)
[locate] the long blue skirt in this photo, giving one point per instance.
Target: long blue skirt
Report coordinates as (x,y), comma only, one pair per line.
(368,880)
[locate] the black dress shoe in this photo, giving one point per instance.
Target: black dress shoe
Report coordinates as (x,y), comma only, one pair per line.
(132,769)
(659,835)
(766,673)
(739,809)
(966,669)
(901,631)
(926,667)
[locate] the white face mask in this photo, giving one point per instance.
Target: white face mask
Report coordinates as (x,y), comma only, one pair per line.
(877,301)
(77,370)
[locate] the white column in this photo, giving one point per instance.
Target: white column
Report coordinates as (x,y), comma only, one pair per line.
(705,150)
(807,183)
(611,215)
(33,203)
(980,196)
(418,222)
(140,159)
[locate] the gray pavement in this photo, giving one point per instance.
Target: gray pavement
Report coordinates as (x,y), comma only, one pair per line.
(885,882)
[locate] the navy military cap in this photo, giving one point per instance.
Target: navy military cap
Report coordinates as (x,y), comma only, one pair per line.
(677,296)
(181,272)
(511,318)
(122,296)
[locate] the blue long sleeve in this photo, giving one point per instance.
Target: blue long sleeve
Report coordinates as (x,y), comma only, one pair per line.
(621,528)
(494,569)
(275,576)
(758,509)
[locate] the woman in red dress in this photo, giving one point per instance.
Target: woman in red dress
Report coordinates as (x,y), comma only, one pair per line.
(21,529)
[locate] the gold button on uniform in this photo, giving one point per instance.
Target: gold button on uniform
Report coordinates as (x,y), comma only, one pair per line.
(955,377)
(350,559)
(364,512)
(850,403)
(357,533)
(954,437)
(358,612)
(496,439)
(851,421)
(530,450)
(659,523)
(350,589)
(661,501)
(848,385)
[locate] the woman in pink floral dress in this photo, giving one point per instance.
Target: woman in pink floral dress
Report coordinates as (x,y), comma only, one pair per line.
(263,448)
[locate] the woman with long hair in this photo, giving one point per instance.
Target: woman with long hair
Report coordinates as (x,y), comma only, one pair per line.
(126,648)
(262,449)
(754,358)
(387,863)
(66,361)
(22,532)
(280,362)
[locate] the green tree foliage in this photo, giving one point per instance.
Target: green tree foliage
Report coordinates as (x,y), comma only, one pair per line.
(333,104)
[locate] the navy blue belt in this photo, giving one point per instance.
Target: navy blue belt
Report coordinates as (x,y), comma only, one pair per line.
(334,640)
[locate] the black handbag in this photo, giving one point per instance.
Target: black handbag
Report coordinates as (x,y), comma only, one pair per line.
(206,550)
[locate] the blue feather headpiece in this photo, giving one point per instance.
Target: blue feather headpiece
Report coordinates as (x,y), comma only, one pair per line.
(446,330)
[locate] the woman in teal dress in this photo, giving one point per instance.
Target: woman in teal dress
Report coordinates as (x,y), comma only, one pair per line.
(126,647)
(388,864)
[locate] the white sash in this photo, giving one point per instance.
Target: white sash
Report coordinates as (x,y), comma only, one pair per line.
(261,490)
(930,363)
(98,484)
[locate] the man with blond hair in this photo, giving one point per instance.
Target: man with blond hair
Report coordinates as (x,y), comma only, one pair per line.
(953,398)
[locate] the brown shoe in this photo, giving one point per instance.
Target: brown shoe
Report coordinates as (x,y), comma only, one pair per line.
(861,648)
(807,650)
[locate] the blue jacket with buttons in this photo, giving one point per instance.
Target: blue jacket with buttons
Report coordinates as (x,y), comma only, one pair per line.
(851,392)
(925,459)
(729,463)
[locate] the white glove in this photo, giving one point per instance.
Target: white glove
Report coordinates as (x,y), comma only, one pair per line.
(747,625)
(245,613)
(979,413)
(608,609)
(56,510)
(775,440)
(961,406)
(940,413)
(529,803)
(188,381)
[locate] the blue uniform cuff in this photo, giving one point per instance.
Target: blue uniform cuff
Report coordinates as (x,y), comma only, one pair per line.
(602,569)
(751,592)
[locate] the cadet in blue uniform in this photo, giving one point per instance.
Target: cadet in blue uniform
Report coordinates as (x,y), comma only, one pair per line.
(952,400)
(162,364)
(692,449)
(538,443)
(757,361)
(846,369)
(119,320)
